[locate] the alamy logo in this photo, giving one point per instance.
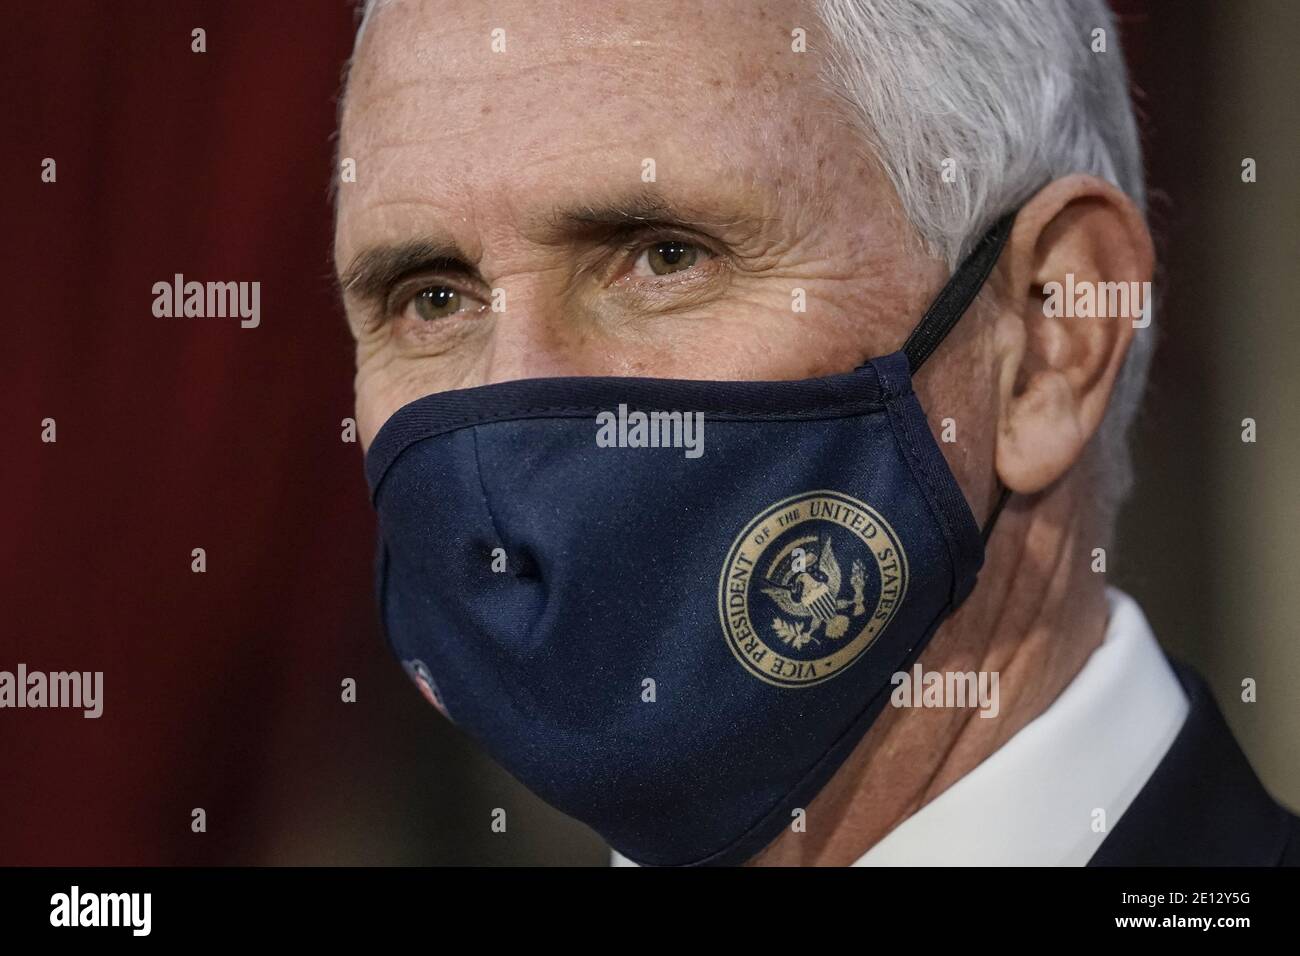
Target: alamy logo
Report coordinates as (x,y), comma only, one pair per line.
(210,300)
(651,430)
(942,689)
(36,689)
(1098,300)
(75,908)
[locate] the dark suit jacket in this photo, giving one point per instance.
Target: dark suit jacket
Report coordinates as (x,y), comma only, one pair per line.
(1203,806)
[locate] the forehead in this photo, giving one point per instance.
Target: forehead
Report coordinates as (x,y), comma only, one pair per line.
(454,101)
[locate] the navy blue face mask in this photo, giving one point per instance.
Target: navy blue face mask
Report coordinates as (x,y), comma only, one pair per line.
(678,650)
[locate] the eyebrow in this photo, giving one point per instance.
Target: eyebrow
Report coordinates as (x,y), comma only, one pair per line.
(645,207)
(373,271)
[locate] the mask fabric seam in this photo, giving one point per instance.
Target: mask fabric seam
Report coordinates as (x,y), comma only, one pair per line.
(907,441)
(826,414)
(482,490)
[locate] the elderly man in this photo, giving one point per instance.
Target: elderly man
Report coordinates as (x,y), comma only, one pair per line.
(778,217)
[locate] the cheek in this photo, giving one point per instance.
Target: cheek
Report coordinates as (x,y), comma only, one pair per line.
(775,332)
(960,401)
(388,378)
(370,409)
(379,392)
(799,347)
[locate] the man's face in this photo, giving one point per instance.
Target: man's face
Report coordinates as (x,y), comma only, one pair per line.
(656,189)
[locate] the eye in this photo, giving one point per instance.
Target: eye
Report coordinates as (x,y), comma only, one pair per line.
(669,256)
(438,302)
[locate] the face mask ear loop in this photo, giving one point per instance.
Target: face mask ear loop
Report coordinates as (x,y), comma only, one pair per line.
(950,305)
(956,296)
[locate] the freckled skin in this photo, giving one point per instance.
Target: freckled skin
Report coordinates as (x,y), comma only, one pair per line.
(455,141)
(568,113)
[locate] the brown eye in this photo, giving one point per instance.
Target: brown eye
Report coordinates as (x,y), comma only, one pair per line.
(664,258)
(436,302)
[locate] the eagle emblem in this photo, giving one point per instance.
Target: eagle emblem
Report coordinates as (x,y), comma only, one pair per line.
(806,584)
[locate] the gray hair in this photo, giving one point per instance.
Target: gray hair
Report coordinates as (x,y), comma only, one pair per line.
(1012,91)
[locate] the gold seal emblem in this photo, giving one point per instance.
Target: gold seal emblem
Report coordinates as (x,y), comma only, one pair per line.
(808,586)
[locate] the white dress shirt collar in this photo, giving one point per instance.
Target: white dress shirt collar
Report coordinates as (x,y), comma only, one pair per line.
(1035,801)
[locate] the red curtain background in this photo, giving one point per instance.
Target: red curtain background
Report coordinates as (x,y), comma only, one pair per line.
(173,433)
(222,689)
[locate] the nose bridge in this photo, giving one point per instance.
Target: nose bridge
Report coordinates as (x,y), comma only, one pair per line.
(527,342)
(539,328)
(536,335)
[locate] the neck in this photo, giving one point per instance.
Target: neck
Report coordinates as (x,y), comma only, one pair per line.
(1035,616)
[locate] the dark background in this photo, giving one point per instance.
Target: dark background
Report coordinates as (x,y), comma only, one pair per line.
(223,689)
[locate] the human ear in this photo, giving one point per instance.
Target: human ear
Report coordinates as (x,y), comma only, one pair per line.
(1059,349)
